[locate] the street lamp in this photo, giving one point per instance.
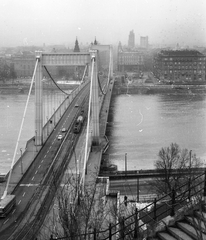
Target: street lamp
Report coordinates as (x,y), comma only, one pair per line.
(36,139)
(21,162)
(47,123)
(125,164)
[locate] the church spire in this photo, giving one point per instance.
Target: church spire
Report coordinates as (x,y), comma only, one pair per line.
(76,47)
(95,41)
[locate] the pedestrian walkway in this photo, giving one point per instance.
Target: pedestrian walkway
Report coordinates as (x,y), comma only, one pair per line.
(20,167)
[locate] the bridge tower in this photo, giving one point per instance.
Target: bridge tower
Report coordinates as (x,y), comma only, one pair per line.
(69,59)
(38,102)
(95,98)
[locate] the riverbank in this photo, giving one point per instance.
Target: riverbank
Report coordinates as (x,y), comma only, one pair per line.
(23,85)
(158,88)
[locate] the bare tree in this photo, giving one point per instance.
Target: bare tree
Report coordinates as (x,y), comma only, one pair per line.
(174,158)
(77,212)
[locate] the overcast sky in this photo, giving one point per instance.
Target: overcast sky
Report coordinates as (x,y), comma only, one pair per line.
(34,22)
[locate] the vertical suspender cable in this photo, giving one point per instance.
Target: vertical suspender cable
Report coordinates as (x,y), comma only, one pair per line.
(20,130)
(84,74)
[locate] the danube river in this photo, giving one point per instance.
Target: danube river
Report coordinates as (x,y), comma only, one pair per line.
(12,108)
(141,125)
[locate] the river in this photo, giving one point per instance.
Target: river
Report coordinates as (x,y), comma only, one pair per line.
(141,125)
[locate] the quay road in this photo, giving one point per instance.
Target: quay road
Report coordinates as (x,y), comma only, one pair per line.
(150,173)
(136,184)
(36,177)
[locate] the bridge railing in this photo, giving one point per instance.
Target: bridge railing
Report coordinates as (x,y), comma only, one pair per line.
(143,222)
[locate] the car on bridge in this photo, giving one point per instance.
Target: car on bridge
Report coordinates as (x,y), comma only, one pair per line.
(64,130)
(60,137)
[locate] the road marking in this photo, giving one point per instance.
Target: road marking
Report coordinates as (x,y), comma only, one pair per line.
(45,156)
(29,185)
(50,147)
(42,161)
(13,211)
(39,166)
(32,178)
(6,221)
(47,151)
(23,194)
(36,172)
(19,202)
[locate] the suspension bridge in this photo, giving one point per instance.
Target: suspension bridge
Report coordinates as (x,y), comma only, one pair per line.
(47,154)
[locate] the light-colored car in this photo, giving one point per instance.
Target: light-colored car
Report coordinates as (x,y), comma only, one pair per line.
(60,137)
(76,105)
(64,130)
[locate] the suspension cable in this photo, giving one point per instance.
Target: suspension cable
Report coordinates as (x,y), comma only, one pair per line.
(108,77)
(88,123)
(55,82)
(104,93)
(20,130)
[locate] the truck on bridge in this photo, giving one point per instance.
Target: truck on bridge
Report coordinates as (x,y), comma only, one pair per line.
(79,122)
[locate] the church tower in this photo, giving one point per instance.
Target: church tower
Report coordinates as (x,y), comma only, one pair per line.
(76,47)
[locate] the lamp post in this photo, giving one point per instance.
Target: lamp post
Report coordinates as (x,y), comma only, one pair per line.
(138,187)
(36,139)
(21,162)
(54,117)
(47,123)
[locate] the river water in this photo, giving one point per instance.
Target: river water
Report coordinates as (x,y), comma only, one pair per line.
(141,125)
(12,107)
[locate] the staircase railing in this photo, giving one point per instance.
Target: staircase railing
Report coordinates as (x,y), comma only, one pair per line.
(143,221)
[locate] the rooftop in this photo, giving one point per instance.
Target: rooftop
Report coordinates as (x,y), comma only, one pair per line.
(177,53)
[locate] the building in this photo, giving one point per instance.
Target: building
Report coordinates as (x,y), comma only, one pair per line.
(24,63)
(179,65)
(144,42)
(131,40)
(129,60)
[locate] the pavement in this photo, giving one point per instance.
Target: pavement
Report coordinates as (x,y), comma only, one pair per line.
(20,167)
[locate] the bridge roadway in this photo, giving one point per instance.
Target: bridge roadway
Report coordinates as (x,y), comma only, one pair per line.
(37,175)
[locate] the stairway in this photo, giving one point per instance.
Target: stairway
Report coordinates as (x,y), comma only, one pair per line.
(191,227)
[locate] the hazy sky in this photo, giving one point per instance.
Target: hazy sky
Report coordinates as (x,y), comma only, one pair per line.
(34,22)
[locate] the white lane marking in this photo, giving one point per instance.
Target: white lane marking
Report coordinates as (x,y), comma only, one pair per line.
(50,147)
(29,185)
(32,178)
(42,161)
(19,202)
(6,221)
(47,151)
(13,211)
(36,172)
(23,194)
(45,156)
(39,166)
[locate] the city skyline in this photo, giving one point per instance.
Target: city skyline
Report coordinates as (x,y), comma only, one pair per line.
(47,22)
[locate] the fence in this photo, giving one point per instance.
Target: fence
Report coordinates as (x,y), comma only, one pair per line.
(142,222)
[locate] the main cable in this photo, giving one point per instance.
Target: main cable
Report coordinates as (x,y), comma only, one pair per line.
(55,82)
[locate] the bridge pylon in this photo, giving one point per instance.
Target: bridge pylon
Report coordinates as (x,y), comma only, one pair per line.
(95,98)
(38,102)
